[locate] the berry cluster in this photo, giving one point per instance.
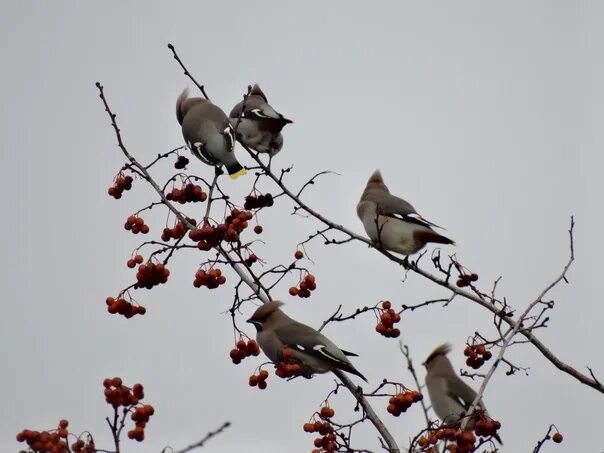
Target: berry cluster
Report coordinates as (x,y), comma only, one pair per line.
(244,349)
(287,367)
(259,379)
(261,201)
(465,442)
(207,236)
(121,183)
(117,394)
(327,412)
(79,446)
(306,285)
(131,263)
(52,441)
(251,259)
(151,274)
(476,355)
(136,225)
(177,231)
(189,193)
(466,280)
(388,318)
(326,443)
(181,162)
(449,434)
(212,278)
(140,416)
(402,401)
(123,307)
(236,223)
(485,426)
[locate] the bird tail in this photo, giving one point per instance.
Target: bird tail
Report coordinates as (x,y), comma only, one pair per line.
(426,236)
(179,111)
(236,170)
(352,370)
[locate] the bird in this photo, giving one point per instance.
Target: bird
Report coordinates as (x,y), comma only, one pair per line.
(258,125)
(208,133)
(450,396)
(391,222)
(312,350)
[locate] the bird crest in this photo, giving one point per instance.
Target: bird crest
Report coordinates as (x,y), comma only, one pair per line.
(265,310)
(443,349)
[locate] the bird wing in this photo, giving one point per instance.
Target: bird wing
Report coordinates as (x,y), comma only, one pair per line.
(461,392)
(397,208)
(305,339)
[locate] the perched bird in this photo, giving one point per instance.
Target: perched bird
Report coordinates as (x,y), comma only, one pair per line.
(314,352)
(450,396)
(393,223)
(258,125)
(208,133)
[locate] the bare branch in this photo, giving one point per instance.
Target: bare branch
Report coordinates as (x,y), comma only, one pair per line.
(201,443)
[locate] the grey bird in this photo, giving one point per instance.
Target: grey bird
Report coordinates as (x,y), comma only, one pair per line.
(312,350)
(258,125)
(393,223)
(451,397)
(208,133)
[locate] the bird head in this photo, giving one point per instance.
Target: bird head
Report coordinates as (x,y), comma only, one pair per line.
(263,313)
(437,356)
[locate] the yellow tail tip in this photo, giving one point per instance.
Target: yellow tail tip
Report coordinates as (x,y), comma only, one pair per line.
(241,172)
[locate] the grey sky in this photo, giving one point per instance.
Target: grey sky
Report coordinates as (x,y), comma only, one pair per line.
(485,116)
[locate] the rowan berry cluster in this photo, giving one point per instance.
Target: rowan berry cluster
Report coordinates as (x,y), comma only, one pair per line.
(449,434)
(486,426)
(52,441)
(259,379)
(79,446)
(388,317)
(251,259)
(236,223)
(257,202)
(326,443)
(132,262)
(151,274)
(477,355)
(244,349)
(327,412)
(188,193)
(121,183)
(211,279)
(140,416)
(402,401)
(466,280)
(136,225)
(123,307)
(306,285)
(207,236)
(177,231)
(117,394)
(287,367)
(181,162)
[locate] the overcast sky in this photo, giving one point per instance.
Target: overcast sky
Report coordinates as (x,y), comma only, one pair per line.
(486,117)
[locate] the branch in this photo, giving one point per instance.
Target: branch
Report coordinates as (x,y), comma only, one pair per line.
(405,350)
(518,325)
(413,267)
(369,412)
(204,440)
(245,276)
